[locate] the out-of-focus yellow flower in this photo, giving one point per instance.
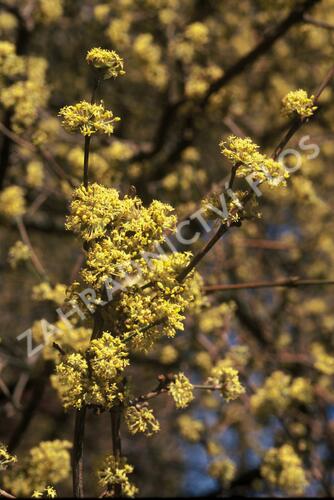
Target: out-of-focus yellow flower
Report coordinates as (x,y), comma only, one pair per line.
(12,202)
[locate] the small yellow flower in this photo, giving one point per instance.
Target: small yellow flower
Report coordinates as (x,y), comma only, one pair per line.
(17,253)
(107,59)
(114,472)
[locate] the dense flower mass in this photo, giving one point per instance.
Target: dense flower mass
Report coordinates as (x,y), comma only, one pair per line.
(244,155)
(92,379)
(97,211)
(108,59)
(190,428)
(88,119)
(17,253)
(141,419)
(298,102)
(278,392)
(12,202)
(224,470)
(227,379)
(45,291)
(181,391)
(124,250)
(283,468)
(46,464)
(114,472)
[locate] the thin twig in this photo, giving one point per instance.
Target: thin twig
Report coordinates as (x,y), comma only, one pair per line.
(4,493)
(33,256)
(77,454)
(86,161)
(284,282)
(317,22)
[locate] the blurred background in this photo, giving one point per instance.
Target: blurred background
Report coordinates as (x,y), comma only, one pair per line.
(197,71)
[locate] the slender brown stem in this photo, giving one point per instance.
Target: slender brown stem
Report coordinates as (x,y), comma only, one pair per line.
(116,415)
(77,454)
(317,22)
(223,228)
(4,494)
(284,282)
(86,160)
(26,240)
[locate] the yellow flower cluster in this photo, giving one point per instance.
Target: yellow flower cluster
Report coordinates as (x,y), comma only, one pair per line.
(297,101)
(48,492)
(25,96)
(198,33)
(8,23)
(68,337)
(244,154)
(6,458)
(278,392)
(45,291)
(121,231)
(35,174)
(48,463)
(223,470)
(115,472)
(190,428)
(99,211)
(232,210)
(168,355)
(92,379)
(228,379)
(17,253)
(181,391)
(149,56)
(214,318)
(323,361)
(107,59)
(199,79)
(283,469)
(11,65)
(12,202)
(141,419)
(49,11)
(88,119)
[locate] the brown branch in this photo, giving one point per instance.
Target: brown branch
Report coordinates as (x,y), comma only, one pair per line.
(4,493)
(25,238)
(292,282)
(168,117)
(293,18)
(42,151)
(317,22)
(39,383)
(162,388)
(77,454)
(225,226)
(86,161)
